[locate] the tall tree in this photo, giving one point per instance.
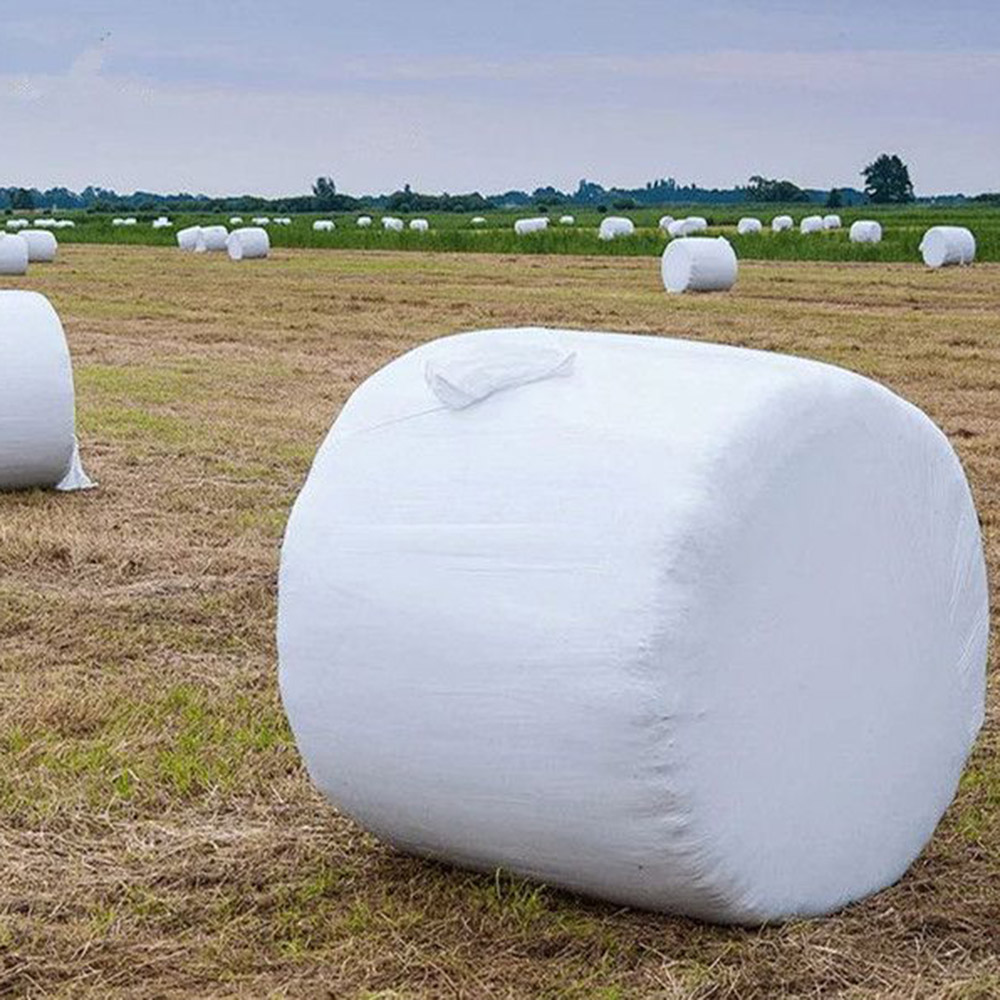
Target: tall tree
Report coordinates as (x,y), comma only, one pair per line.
(767,189)
(325,193)
(887,180)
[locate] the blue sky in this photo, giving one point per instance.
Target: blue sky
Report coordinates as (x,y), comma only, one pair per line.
(230,97)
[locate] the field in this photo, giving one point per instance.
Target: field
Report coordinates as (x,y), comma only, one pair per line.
(450,232)
(159,837)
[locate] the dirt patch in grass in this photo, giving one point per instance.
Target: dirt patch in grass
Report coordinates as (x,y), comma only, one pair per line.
(158,835)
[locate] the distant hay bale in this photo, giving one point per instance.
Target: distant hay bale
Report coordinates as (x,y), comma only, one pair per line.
(13,254)
(117,222)
(567,220)
(129,221)
(45,223)
(283,221)
(781,223)
(535,225)
(162,223)
(748,224)
(699,264)
(251,243)
(695,224)
(943,246)
(364,221)
(676,228)
(187,239)
(236,220)
(478,220)
(664,222)
(211,239)
(18,223)
(392,224)
(42,245)
(65,224)
(261,220)
(419,225)
(831,222)
(323,225)
(38,446)
(865,231)
(615,226)
(811,224)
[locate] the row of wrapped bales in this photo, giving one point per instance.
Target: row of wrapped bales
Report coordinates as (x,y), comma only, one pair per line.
(38,446)
(18,223)
(250,243)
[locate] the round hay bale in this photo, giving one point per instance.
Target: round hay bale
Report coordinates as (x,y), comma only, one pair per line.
(747,225)
(865,231)
(664,222)
(698,264)
(615,226)
(831,222)
(943,246)
(781,223)
(42,245)
(323,226)
(251,243)
(211,239)
(567,220)
(811,224)
(392,224)
(478,220)
(364,221)
(419,225)
(535,225)
(13,254)
(188,238)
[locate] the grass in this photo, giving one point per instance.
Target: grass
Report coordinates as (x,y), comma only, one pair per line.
(159,835)
(450,232)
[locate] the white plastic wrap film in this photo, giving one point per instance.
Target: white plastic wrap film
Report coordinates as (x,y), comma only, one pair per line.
(699,264)
(831,221)
(535,225)
(391,224)
(677,228)
(664,222)
(13,254)
(364,221)
(211,239)
(614,227)
(781,223)
(811,224)
(323,226)
(251,243)
(865,231)
(564,220)
(189,238)
(419,225)
(677,625)
(38,446)
(942,246)
(748,224)
(42,245)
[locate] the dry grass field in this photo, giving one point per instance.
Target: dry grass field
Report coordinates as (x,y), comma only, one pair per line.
(158,835)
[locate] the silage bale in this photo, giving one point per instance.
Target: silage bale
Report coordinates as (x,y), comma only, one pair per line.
(13,254)
(162,223)
(283,221)
(535,225)
(364,221)
(865,231)
(747,225)
(567,220)
(781,223)
(38,445)
(698,264)
(187,239)
(129,221)
(323,225)
(614,226)
(45,223)
(65,224)
(419,225)
(678,625)
(478,220)
(695,224)
(831,222)
(251,243)
(811,224)
(42,245)
(17,223)
(664,222)
(390,223)
(676,228)
(946,245)
(236,220)
(211,239)
(117,222)
(261,220)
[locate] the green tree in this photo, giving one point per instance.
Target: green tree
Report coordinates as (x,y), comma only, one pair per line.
(768,189)
(887,180)
(324,193)
(834,199)
(21,199)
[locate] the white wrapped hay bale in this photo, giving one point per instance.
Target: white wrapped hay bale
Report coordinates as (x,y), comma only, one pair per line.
(38,445)
(211,239)
(392,224)
(747,225)
(364,221)
(699,264)
(478,220)
(664,222)
(236,220)
(45,223)
(946,245)
(129,221)
(117,222)
(615,226)
(678,625)
(188,238)
(261,220)
(676,228)
(811,224)
(42,245)
(323,226)
(13,254)
(251,243)
(536,225)
(780,223)
(567,220)
(65,224)
(695,224)
(17,223)
(162,223)
(865,231)
(419,225)
(831,222)
(283,221)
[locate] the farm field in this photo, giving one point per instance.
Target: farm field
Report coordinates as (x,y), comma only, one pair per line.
(453,232)
(159,835)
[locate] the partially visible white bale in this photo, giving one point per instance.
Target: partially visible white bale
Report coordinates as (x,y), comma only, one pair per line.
(211,239)
(567,220)
(65,224)
(536,225)
(187,239)
(679,625)
(42,245)
(13,254)
(478,220)
(364,221)
(664,222)
(323,225)
(236,220)
(391,223)
(699,264)
(781,222)
(38,447)
(831,222)
(45,223)
(811,224)
(117,222)
(695,224)
(283,221)
(614,226)
(865,231)
(162,223)
(676,228)
(251,243)
(748,224)
(129,221)
(261,220)
(419,225)
(946,245)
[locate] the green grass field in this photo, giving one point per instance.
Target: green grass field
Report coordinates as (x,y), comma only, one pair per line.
(903,228)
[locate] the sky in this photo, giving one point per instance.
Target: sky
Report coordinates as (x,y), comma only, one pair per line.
(241,96)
